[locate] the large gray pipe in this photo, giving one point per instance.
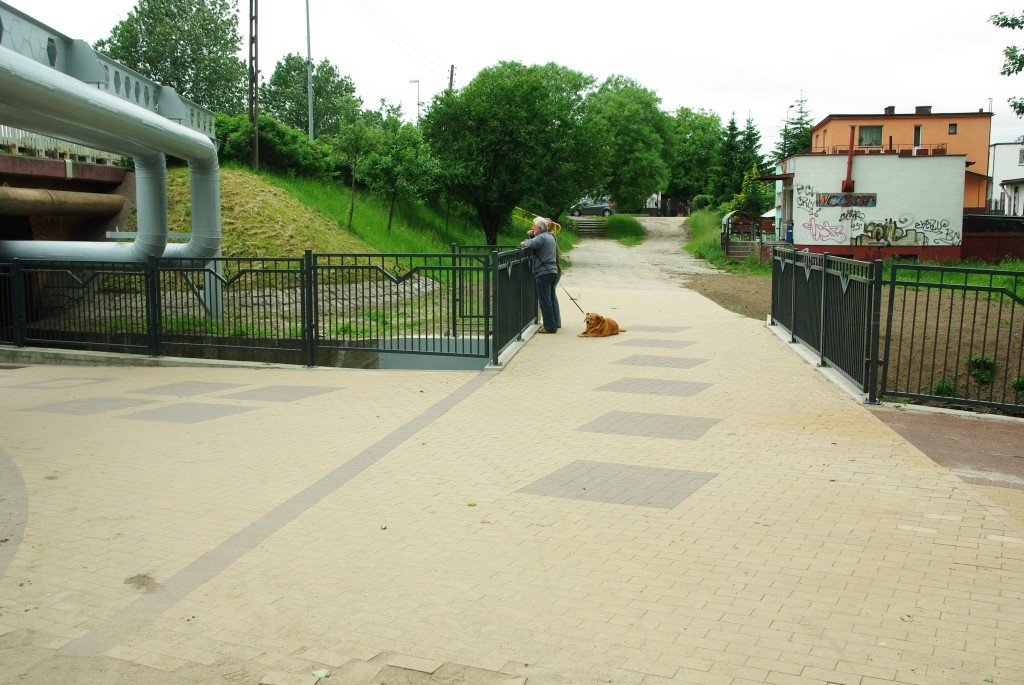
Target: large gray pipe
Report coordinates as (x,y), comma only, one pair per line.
(41,99)
(39,201)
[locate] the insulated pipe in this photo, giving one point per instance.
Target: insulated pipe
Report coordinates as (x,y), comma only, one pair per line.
(34,201)
(38,98)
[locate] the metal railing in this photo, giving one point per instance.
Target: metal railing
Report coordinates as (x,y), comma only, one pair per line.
(832,305)
(955,336)
(311,310)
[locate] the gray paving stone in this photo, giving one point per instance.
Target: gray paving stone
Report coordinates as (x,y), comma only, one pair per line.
(655,386)
(642,486)
(279,393)
(187,388)
(657,361)
(90,406)
(188,412)
(652,342)
(646,425)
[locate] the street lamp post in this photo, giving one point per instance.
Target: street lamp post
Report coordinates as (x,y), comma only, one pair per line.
(417,82)
(785,133)
(309,73)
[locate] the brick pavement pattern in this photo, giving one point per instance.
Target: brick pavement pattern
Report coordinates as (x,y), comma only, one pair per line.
(688,502)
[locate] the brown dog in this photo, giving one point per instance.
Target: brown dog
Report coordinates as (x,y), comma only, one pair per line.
(599,326)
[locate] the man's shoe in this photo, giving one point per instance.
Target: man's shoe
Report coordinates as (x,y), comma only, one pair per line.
(546,330)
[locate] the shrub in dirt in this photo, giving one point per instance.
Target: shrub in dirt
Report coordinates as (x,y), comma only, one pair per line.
(943,388)
(981,367)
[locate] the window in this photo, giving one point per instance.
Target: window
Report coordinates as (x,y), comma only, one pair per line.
(869,136)
(952,129)
(1020,158)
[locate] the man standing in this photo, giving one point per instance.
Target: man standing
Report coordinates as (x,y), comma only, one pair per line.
(544,264)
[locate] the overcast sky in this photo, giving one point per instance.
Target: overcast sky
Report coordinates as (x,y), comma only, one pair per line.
(742,57)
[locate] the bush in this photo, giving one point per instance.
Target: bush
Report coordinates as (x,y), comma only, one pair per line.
(701,202)
(943,388)
(283,149)
(981,367)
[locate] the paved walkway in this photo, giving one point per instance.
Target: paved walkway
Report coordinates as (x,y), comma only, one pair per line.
(688,502)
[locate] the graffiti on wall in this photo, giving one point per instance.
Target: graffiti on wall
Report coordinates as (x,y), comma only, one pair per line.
(905,230)
(855,227)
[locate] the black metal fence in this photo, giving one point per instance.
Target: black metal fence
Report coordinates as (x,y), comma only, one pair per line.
(952,336)
(955,335)
(315,310)
(831,304)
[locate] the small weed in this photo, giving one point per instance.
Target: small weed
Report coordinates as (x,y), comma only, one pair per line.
(981,367)
(943,388)
(1018,385)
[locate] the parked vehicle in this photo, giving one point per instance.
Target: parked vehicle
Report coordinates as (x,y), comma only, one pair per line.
(593,208)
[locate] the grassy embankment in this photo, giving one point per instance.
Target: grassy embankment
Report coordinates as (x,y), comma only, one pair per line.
(266,215)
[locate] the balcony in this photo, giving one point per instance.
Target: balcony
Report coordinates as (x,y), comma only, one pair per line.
(901,150)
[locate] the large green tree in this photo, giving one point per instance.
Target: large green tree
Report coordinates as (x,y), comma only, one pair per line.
(286,96)
(354,144)
(696,143)
(499,139)
(728,175)
(1013,57)
(631,116)
(189,45)
(577,158)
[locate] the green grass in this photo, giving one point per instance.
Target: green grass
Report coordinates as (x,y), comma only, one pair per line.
(625,229)
(706,243)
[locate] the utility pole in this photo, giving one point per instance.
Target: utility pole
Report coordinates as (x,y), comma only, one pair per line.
(309,72)
(254,86)
(417,82)
(451,77)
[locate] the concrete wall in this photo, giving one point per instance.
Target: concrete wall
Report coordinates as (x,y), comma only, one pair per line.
(906,201)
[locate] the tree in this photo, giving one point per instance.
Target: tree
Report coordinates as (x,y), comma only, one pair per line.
(286,96)
(189,45)
(401,167)
(353,144)
(696,142)
(795,136)
(576,162)
(750,147)
(499,140)
(632,118)
(1013,62)
(728,178)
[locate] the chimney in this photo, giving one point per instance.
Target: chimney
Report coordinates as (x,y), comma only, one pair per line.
(923,109)
(890,110)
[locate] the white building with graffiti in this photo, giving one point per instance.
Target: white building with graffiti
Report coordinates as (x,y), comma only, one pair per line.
(872,206)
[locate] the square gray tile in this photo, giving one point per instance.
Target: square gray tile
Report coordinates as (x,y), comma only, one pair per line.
(188,413)
(61,383)
(279,393)
(642,486)
(658,329)
(90,406)
(188,388)
(655,386)
(644,425)
(654,360)
(654,342)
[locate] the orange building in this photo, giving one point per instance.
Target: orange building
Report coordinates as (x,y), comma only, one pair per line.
(917,134)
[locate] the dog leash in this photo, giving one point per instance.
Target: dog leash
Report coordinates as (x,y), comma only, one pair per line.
(574,301)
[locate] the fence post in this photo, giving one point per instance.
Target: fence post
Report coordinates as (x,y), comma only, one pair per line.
(874,330)
(307,307)
(19,304)
(492,313)
(821,318)
(792,297)
(154,315)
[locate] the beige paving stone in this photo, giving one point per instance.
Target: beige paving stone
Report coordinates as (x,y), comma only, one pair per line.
(413,663)
(280,678)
